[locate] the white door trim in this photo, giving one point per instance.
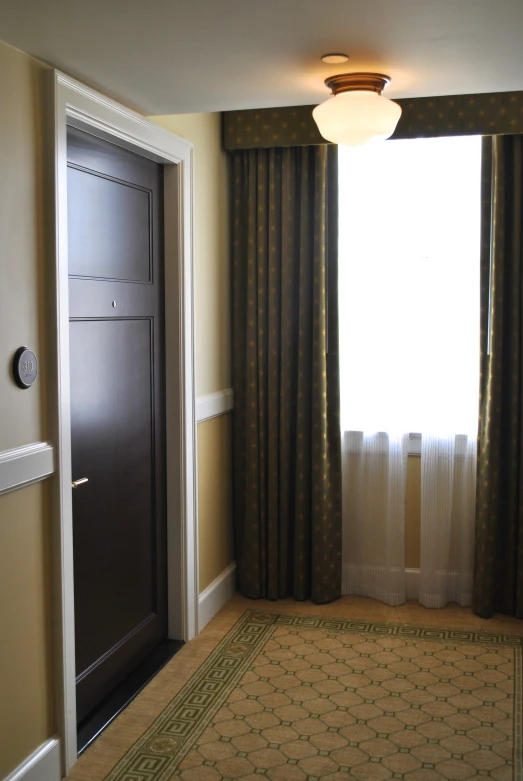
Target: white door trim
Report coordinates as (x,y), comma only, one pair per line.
(72,103)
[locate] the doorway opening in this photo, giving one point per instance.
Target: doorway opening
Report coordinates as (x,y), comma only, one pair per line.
(75,106)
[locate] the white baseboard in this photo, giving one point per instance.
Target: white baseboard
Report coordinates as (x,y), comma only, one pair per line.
(214,404)
(412,583)
(42,765)
(216,595)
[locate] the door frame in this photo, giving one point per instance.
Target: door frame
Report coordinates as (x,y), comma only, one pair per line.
(72,103)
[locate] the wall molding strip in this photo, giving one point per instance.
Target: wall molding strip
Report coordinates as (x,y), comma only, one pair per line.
(42,765)
(214,404)
(216,595)
(24,465)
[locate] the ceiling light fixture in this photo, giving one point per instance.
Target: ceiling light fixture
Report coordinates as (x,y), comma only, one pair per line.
(357,112)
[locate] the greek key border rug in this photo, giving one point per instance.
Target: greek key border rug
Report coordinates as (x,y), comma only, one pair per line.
(301,698)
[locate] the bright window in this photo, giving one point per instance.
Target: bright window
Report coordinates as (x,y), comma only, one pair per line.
(409,285)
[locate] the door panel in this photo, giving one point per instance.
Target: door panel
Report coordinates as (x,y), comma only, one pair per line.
(112,228)
(117,412)
(113,445)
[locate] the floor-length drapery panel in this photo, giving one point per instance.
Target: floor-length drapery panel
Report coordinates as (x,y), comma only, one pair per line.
(498,570)
(374,470)
(287,451)
(448,489)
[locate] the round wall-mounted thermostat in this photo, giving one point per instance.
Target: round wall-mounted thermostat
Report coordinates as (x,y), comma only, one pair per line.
(25,367)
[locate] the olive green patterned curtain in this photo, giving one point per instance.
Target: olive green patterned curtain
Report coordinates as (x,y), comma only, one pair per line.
(287,470)
(498,579)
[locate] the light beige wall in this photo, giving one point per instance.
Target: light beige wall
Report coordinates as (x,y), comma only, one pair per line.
(26,690)
(212,334)
(214,498)
(21,244)
(211,248)
(26,695)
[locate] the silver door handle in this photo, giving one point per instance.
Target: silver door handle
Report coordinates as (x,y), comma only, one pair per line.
(81,481)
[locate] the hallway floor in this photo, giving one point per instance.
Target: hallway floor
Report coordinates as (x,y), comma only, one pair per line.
(100,758)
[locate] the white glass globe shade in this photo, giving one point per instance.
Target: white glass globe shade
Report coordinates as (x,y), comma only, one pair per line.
(357,117)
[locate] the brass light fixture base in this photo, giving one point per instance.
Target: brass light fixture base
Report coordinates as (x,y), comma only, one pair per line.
(351,82)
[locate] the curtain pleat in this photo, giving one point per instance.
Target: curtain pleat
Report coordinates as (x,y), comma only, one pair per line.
(374,482)
(498,570)
(287,452)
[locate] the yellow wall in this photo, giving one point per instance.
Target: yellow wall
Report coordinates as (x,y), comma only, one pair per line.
(25,656)
(212,334)
(211,248)
(21,244)
(214,498)
(26,693)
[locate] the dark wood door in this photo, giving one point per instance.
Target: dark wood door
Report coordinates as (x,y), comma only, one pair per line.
(116,294)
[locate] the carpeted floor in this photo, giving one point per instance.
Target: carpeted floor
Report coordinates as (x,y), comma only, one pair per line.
(291,697)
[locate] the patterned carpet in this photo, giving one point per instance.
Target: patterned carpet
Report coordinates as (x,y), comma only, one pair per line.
(294,698)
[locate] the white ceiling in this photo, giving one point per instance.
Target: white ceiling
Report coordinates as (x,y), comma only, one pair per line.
(179,56)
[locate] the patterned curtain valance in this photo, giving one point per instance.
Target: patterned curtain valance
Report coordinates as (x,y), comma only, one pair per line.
(488,113)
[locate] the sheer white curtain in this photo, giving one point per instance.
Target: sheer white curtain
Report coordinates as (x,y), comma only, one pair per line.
(448,492)
(409,359)
(374,478)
